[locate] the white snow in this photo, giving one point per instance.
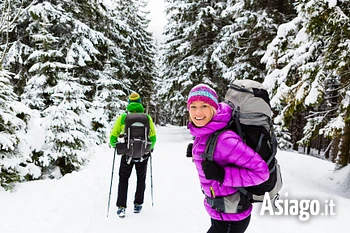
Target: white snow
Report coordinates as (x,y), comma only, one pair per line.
(77,203)
(332,3)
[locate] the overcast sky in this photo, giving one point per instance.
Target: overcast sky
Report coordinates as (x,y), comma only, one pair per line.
(157,16)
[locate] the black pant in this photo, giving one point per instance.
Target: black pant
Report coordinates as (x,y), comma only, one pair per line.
(125,170)
(229,226)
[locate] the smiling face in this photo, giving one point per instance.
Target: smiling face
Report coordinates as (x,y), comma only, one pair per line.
(201,113)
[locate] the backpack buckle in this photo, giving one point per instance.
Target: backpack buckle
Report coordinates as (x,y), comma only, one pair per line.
(207,156)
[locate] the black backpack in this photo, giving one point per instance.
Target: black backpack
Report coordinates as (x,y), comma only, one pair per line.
(251,120)
(136,137)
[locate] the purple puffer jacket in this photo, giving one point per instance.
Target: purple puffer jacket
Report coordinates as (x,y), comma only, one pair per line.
(250,169)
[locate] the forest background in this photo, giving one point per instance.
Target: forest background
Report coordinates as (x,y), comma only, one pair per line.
(67,68)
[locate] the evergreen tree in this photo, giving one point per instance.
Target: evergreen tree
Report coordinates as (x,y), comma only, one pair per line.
(249,26)
(191,31)
(161,115)
(61,35)
(11,161)
(140,50)
(14,162)
(53,42)
(216,42)
(66,134)
(45,58)
(308,54)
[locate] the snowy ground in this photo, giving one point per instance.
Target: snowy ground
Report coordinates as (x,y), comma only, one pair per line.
(77,203)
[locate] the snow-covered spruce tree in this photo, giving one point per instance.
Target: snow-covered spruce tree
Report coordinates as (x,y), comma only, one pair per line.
(105,73)
(161,116)
(111,86)
(281,74)
(61,34)
(249,27)
(216,42)
(333,126)
(190,34)
(139,50)
(66,134)
(336,62)
(308,53)
(45,59)
(13,164)
(79,39)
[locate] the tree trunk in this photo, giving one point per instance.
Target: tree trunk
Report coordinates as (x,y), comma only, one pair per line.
(327,149)
(308,150)
(334,147)
(344,145)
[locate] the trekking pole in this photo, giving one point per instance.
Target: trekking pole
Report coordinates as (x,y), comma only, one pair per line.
(150,161)
(110,187)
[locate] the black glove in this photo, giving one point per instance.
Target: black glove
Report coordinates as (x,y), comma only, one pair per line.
(189,150)
(213,171)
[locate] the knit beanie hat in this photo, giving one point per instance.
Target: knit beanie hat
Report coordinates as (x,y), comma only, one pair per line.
(134,97)
(203,92)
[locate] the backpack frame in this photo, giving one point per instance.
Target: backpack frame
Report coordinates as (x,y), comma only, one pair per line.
(136,137)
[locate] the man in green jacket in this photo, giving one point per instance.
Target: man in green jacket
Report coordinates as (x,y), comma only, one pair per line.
(125,168)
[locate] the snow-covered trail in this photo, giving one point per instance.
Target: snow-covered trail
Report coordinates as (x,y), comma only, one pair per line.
(77,203)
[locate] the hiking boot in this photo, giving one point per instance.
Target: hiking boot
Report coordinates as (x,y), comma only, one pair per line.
(121,212)
(137,208)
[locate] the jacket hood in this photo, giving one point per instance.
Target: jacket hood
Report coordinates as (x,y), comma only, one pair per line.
(135,107)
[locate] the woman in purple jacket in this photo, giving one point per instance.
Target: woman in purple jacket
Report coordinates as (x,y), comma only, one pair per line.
(234,164)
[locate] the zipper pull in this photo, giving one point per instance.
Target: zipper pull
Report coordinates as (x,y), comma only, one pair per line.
(212,192)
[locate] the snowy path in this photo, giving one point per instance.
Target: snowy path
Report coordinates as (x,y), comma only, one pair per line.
(77,203)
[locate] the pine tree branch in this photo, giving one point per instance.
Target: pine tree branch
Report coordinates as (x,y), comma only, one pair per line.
(6,23)
(313,114)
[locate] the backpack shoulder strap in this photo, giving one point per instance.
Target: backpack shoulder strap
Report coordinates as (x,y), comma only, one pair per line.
(211,144)
(235,118)
(274,149)
(123,116)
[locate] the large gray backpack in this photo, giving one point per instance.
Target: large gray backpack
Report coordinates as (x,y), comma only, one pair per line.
(251,120)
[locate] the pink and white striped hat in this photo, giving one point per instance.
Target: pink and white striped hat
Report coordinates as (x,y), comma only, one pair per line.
(203,92)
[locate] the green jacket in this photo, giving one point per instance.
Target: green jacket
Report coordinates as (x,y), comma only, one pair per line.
(119,124)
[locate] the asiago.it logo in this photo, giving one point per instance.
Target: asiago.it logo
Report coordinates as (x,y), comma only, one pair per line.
(301,208)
